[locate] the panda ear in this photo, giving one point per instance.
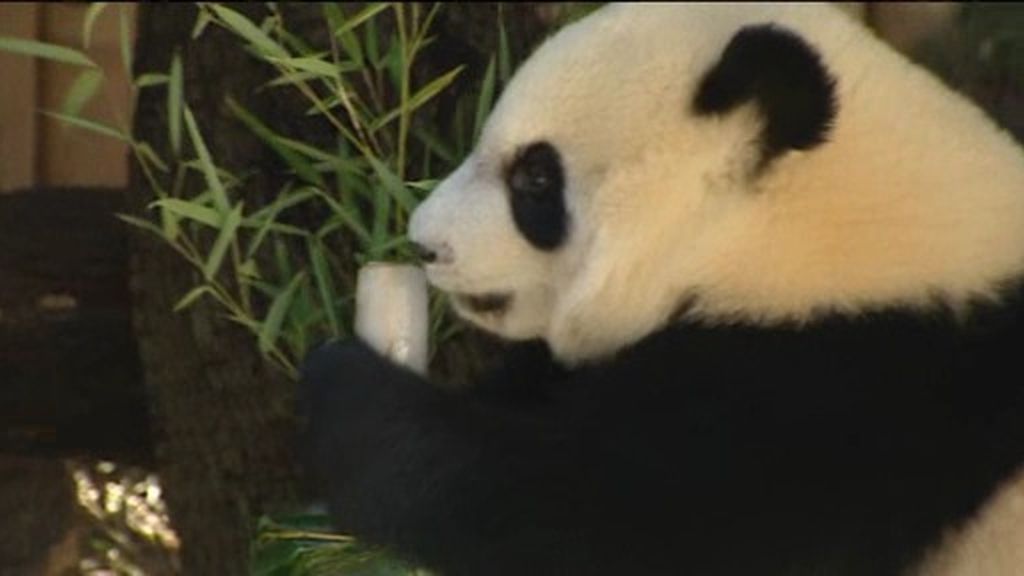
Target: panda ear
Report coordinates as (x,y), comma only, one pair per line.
(784,76)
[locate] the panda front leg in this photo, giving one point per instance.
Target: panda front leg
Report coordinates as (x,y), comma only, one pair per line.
(464,484)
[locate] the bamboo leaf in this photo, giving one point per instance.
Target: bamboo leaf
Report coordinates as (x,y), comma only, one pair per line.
(243,27)
(192,296)
(271,327)
(142,224)
(313,64)
(189,210)
(91,125)
(418,99)
(348,217)
(81,92)
(333,14)
(222,243)
(381,217)
(126,40)
(434,144)
(286,199)
(393,185)
(175,98)
(202,21)
(294,160)
(362,16)
(373,44)
(146,151)
(213,181)
(485,101)
(264,219)
(91,14)
(248,269)
(324,283)
(151,79)
(504,55)
(45,51)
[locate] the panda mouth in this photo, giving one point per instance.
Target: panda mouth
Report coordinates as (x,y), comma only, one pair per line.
(489,303)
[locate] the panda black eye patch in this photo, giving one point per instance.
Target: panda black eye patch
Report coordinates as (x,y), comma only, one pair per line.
(536,187)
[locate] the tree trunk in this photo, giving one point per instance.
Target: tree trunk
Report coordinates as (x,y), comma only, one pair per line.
(222,417)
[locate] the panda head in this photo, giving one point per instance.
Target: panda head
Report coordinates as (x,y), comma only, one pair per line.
(719,161)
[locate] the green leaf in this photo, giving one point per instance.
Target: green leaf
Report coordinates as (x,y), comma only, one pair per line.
(126,40)
(373,44)
(213,181)
(146,151)
(91,14)
(175,99)
(313,64)
(45,51)
(271,327)
(418,99)
(348,217)
(264,219)
(142,224)
(81,92)
(289,79)
(243,27)
(223,242)
(91,125)
(248,269)
(202,21)
(189,210)
(324,283)
(192,296)
(504,55)
(434,144)
(393,185)
(381,217)
(361,16)
(342,29)
(151,79)
(284,200)
(275,558)
(294,160)
(424,185)
(486,99)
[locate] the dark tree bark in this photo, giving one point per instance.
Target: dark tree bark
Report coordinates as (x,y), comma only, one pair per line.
(29,532)
(222,417)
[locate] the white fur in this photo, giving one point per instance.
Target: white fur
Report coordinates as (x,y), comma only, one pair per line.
(990,545)
(660,205)
(915,194)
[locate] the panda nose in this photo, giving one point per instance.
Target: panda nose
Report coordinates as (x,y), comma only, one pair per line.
(440,254)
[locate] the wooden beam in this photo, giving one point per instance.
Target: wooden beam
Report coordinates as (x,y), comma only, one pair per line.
(19,120)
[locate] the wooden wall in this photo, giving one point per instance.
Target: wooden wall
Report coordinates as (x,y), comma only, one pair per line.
(36,150)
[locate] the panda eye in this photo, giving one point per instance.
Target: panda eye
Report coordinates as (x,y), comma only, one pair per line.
(536,174)
(536,185)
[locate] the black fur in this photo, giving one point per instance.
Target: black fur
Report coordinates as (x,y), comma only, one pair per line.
(840,448)
(536,187)
(785,76)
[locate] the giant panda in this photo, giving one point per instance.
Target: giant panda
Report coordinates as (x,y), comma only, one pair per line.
(762,281)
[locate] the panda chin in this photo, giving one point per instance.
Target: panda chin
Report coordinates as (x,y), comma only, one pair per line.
(487,304)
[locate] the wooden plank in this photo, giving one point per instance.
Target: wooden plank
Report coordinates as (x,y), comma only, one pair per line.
(71,156)
(18,94)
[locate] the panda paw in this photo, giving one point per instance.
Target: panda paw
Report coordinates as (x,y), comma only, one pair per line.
(335,367)
(339,384)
